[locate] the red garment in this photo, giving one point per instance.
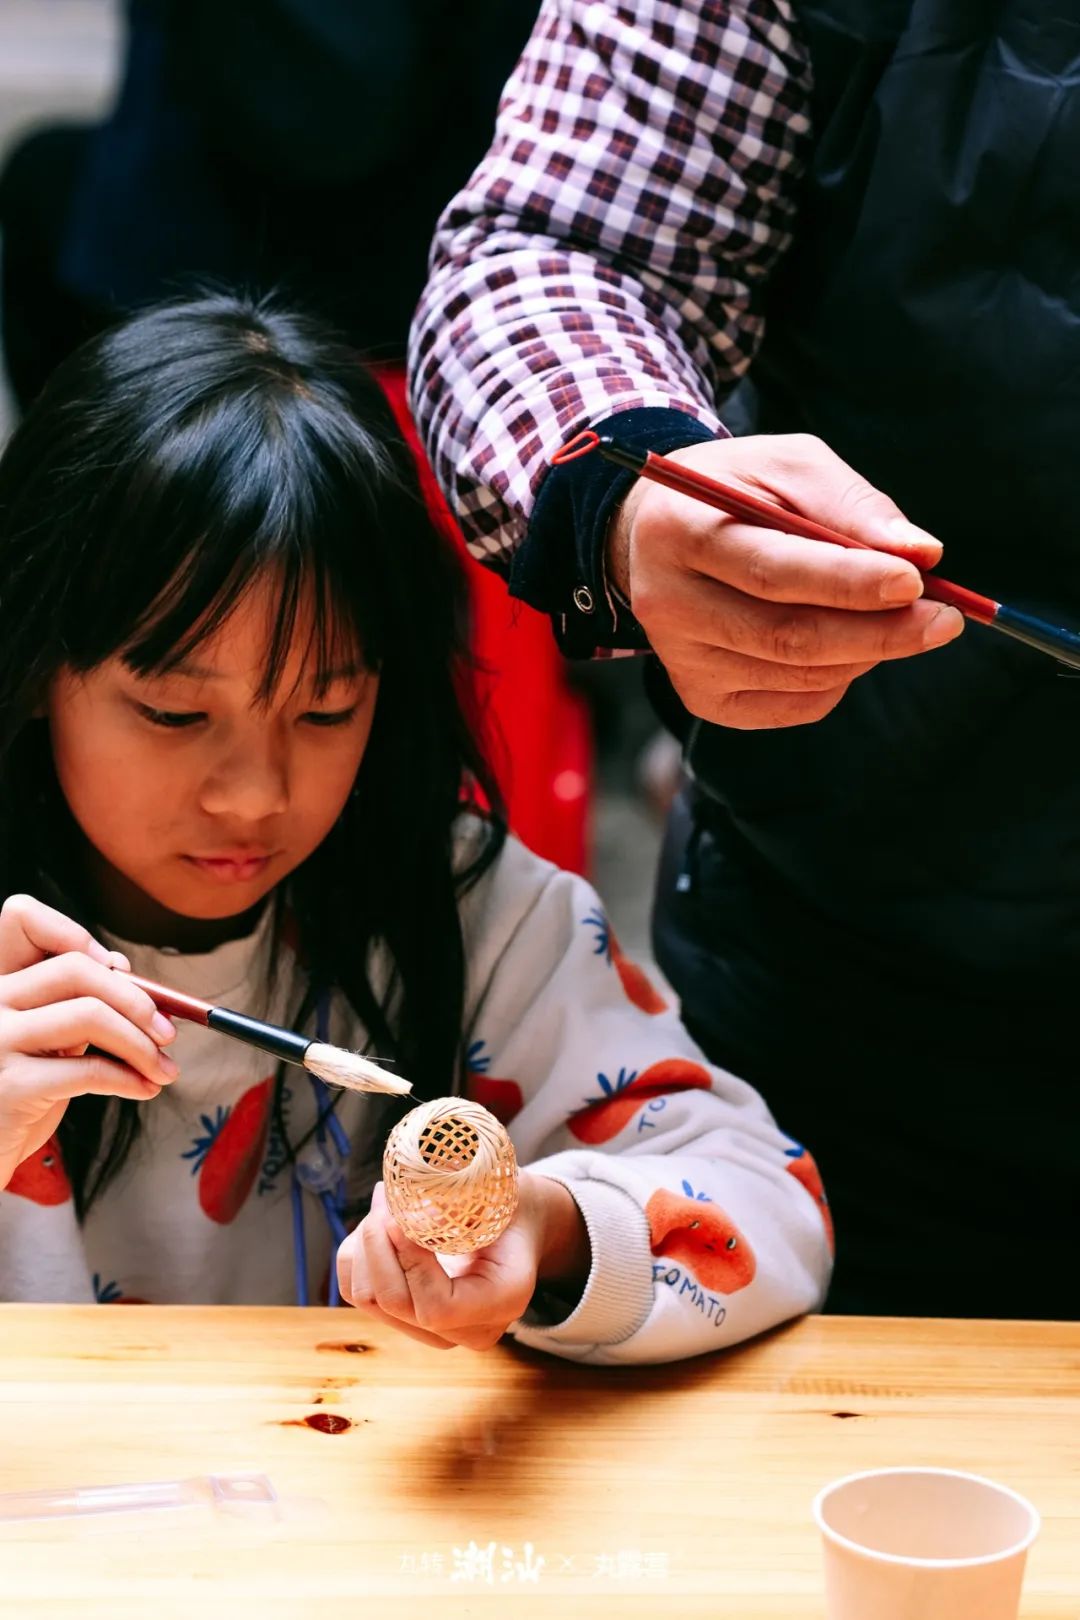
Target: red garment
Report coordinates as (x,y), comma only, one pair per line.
(538,729)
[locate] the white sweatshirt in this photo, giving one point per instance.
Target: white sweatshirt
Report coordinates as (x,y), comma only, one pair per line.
(707,1224)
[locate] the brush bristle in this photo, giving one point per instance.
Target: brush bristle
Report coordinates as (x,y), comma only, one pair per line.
(348,1069)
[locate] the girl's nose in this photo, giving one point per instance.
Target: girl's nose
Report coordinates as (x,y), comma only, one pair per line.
(250,785)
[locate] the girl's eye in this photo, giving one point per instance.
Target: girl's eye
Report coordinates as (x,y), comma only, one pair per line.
(331,717)
(170,720)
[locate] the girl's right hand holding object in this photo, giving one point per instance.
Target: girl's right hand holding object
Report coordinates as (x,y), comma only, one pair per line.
(60,993)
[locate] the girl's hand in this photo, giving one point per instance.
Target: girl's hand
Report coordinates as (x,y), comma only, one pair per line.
(383,1272)
(59,994)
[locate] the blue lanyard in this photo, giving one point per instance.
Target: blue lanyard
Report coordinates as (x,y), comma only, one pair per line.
(326,1179)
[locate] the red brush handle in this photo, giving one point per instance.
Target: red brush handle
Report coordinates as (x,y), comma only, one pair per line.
(765,514)
(174,1002)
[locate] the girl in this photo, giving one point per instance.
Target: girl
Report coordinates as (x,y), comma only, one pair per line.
(234,752)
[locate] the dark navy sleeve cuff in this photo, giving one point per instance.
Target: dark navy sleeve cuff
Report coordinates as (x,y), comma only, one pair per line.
(559,566)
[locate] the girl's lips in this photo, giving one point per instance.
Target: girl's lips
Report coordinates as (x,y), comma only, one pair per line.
(230,868)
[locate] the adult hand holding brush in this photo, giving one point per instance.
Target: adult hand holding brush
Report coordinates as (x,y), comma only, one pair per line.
(759,629)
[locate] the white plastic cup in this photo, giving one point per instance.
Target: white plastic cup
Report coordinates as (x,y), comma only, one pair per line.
(923,1544)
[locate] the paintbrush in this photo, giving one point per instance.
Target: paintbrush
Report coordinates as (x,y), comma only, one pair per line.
(330,1063)
(1060,642)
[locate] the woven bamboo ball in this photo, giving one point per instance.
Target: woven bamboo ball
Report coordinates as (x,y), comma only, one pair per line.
(451,1176)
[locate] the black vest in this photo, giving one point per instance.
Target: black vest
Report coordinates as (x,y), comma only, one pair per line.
(895,892)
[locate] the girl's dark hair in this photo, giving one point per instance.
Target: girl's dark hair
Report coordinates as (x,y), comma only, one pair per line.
(164,467)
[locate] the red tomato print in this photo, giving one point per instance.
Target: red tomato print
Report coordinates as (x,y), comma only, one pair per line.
(634,980)
(801,1165)
(228,1157)
(500,1097)
(700,1236)
(42,1177)
(604,1117)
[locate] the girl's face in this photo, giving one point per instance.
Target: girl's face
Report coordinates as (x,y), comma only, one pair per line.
(196,796)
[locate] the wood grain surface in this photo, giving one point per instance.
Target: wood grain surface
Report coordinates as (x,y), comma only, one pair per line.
(501,1483)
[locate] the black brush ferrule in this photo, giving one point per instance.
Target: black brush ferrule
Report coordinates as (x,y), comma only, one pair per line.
(280,1043)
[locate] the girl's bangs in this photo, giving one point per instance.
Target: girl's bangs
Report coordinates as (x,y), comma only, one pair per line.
(196,530)
(195,605)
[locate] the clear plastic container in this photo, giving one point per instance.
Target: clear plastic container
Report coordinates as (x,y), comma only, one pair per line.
(243,1494)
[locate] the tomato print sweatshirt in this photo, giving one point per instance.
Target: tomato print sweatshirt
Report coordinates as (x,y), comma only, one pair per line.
(706,1223)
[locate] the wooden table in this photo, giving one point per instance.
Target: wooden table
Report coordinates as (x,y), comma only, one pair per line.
(679,1491)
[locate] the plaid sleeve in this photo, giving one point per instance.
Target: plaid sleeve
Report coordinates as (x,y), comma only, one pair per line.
(610,251)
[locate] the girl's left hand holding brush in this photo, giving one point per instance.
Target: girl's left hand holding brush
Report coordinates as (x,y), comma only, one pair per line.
(59,996)
(384,1273)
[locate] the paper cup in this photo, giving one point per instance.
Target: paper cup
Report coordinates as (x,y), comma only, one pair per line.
(923,1544)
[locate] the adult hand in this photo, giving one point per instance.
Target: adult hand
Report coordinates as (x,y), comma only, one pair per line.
(59,994)
(758,629)
(384,1273)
